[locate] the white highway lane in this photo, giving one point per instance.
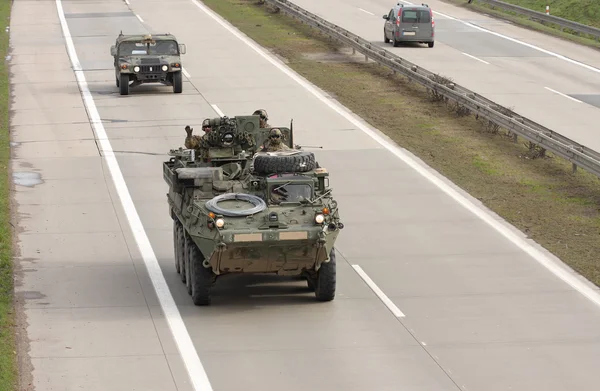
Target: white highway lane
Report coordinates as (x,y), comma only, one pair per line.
(540,77)
(434,293)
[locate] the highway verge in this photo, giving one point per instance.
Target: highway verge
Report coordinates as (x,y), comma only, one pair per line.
(535,191)
(7,331)
(586,12)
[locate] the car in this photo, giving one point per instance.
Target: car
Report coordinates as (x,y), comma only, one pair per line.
(147,59)
(409,23)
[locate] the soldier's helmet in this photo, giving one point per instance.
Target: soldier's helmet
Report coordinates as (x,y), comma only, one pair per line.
(275,135)
(206,125)
(262,113)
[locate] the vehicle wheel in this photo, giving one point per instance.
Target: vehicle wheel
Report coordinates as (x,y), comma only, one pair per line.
(430,44)
(117,81)
(188,243)
(326,279)
(385,38)
(396,43)
(124,84)
(202,278)
(176,246)
(276,164)
(177,83)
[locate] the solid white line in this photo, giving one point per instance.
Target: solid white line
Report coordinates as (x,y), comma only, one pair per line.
(185,73)
(569,278)
(561,94)
(127,2)
(139,17)
(216,108)
(386,300)
(180,334)
(475,58)
(365,11)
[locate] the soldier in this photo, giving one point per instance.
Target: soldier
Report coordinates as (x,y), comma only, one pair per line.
(263,117)
(195,141)
(275,142)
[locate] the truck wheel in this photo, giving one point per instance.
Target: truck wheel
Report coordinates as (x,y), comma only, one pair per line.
(326,279)
(124,84)
(202,278)
(177,83)
(176,247)
(188,243)
(275,164)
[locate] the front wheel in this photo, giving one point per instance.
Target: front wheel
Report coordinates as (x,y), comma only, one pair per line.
(385,38)
(201,278)
(325,282)
(124,84)
(177,83)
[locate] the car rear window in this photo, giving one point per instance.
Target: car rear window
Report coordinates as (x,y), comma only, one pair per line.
(416,16)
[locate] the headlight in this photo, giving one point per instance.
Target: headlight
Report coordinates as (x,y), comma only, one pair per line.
(319,218)
(165,68)
(136,69)
(220,223)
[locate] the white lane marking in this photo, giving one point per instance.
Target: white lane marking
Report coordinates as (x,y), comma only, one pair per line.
(570,278)
(386,300)
(140,18)
(216,108)
(180,334)
(127,2)
(560,56)
(561,94)
(367,12)
(475,58)
(185,73)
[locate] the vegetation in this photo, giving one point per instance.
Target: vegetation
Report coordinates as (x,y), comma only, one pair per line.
(7,332)
(532,189)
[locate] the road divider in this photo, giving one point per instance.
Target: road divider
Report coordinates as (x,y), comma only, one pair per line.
(578,155)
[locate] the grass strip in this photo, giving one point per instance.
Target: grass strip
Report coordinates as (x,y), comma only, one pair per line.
(8,369)
(536,192)
(581,11)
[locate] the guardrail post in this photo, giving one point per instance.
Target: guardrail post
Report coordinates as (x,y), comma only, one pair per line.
(515,138)
(353,51)
(547,10)
(574,168)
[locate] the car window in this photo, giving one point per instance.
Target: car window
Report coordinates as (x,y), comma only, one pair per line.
(416,16)
(391,17)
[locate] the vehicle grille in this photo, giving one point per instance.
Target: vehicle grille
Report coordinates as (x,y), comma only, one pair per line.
(150,68)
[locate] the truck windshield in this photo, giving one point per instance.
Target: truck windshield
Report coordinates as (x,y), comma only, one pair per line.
(290,192)
(160,48)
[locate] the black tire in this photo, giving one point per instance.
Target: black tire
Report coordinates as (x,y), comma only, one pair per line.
(396,43)
(176,246)
(277,164)
(385,38)
(325,282)
(177,83)
(124,84)
(430,44)
(188,278)
(117,82)
(201,277)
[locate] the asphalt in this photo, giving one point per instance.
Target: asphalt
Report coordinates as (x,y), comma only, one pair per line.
(480,312)
(523,78)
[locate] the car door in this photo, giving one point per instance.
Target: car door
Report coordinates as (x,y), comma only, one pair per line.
(424,28)
(389,25)
(409,25)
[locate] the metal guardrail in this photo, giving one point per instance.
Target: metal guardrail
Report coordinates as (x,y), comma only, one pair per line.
(562,146)
(563,23)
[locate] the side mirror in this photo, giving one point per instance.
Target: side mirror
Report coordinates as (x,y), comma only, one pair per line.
(113,51)
(385,17)
(182,48)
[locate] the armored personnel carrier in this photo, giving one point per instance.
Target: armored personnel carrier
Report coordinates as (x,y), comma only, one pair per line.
(238,210)
(147,59)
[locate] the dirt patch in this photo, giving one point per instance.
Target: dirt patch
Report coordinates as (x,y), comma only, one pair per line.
(537,193)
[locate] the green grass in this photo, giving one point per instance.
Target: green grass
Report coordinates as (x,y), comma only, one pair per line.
(8,369)
(539,195)
(581,11)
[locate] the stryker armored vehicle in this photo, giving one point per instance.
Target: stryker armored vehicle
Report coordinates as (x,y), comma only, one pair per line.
(147,59)
(239,210)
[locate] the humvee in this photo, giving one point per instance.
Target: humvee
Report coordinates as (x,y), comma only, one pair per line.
(147,59)
(238,210)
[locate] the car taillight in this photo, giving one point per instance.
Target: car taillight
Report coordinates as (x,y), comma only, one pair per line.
(398,18)
(432,22)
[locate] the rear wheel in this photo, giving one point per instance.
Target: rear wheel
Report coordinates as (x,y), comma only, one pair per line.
(124,84)
(177,83)
(430,44)
(325,282)
(396,43)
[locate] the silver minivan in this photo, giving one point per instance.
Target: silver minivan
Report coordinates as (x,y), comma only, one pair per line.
(409,23)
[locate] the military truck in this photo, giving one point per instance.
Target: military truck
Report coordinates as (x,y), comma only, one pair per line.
(238,210)
(147,59)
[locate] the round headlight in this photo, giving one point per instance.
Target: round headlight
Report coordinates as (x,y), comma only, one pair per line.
(319,218)
(220,223)
(165,68)
(136,69)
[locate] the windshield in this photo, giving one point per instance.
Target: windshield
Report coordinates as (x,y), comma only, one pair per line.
(140,49)
(291,192)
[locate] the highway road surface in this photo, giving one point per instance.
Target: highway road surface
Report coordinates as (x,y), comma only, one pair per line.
(548,80)
(434,293)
